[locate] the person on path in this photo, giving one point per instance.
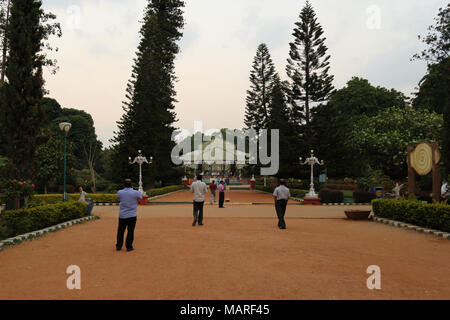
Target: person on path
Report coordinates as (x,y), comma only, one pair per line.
(213,188)
(198,188)
(221,189)
(281,196)
(88,201)
(128,198)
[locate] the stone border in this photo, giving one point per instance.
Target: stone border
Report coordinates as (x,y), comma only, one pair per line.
(39,233)
(408,226)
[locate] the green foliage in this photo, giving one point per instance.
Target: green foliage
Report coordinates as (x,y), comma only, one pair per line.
(11,189)
(434,216)
(39,200)
(45,199)
(331,196)
(438,38)
(373,179)
(147,123)
(332,124)
(26,33)
(308,65)
(381,141)
(16,222)
(262,77)
(160,191)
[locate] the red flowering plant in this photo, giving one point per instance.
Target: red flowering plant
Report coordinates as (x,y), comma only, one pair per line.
(13,189)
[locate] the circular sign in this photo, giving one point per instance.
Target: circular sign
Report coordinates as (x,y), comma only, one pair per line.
(422,159)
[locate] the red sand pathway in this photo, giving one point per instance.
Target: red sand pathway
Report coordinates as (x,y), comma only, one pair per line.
(238,254)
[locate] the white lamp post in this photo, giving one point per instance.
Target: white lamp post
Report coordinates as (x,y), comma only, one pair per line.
(311,161)
(65,127)
(140,160)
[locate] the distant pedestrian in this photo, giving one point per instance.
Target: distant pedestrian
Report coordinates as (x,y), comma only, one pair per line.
(198,188)
(221,189)
(127,215)
(213,189)
(445,194)
(89,202)
(281,196)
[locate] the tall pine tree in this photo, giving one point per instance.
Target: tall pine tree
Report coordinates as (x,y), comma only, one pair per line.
(147,123)
(308,66)
(22,92)
(262,78)
(279,118)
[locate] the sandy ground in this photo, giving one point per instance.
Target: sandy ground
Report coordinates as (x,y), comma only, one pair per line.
(238,254)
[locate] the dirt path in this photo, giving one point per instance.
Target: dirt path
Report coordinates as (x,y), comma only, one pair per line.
(239,256)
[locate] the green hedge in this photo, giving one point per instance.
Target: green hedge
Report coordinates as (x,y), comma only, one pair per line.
(160,191)
(39,200)
(433,216)
(16,222)
(331,196)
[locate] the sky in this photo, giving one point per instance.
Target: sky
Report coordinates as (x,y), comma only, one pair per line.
(371,39)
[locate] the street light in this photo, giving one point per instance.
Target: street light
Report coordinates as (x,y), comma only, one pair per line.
(65,127)
(140,160)
(311,161)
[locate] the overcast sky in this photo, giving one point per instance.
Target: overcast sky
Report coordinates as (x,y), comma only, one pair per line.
(371,39)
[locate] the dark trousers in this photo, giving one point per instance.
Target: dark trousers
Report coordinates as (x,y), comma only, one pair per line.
(129,224)
(221,199)
(280,207)
(198,211)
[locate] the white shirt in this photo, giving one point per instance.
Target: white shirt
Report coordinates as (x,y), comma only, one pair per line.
(282,193)
(83,195)
(199,188)
(444,188)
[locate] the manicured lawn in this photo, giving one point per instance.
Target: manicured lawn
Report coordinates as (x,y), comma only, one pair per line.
(348,193)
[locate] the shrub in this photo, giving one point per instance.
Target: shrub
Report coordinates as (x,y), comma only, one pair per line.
(44,199)
(331,196)
(39,200)
(361,196)
(433,216)
(112,188)
(160,191)
(16,222)
(298,193)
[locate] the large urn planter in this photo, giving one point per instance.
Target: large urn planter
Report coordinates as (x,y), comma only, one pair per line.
(358,214)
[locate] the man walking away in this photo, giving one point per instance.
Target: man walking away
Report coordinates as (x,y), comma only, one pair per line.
(198,188)
(221,194)
(281,196)
(128,198)
(213,188)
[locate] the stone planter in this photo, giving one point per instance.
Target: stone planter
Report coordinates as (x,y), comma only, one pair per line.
(358,214)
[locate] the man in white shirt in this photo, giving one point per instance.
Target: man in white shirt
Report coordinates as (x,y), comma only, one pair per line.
(281,196)
(444,191)
(198,188)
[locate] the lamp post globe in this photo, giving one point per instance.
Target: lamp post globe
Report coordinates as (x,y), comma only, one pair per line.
(65,127)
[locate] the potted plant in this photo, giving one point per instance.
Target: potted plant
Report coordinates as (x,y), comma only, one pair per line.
(358,214)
